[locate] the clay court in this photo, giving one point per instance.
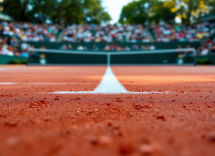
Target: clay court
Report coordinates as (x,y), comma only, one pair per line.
(56,110)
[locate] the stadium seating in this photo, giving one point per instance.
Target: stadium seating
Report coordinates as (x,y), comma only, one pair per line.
(164,32)
(18,37)
(108,33)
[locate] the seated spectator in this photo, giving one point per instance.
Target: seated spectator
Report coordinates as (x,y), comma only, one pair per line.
(63,47)
(10,51)
(146,39)
(107,47)
(135,47)
(24,46)
(127,48)
(113,47)
(143,47)
(4,49)
(69,47)
(14,42)
(119,48)
(52,38)
(203,51)
(80,47)
(152,47)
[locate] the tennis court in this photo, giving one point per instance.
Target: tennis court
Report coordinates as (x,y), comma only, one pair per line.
(150,110)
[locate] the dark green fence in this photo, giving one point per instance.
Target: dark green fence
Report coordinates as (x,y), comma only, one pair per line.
(101,45)
(64,59)
(116,58)
(5,59)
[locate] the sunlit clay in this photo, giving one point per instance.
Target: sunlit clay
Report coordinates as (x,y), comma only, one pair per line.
(109,85)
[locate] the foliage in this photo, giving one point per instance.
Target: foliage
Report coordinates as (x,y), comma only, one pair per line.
(24,61)
(166,10)
(136,12)
(68,11)
(203,61)
(14,61)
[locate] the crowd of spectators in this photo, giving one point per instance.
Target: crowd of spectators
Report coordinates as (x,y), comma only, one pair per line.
(110,47)
(30,31)
(11,47)
(11,32)
(164,32)
(207,47)
(108,33)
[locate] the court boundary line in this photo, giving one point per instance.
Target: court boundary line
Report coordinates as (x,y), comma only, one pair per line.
(108,85)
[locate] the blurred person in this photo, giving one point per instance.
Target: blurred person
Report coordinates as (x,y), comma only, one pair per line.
(118,48)
(135,47)
(113,46)
(87,39)
(69,47)
(152,47)
(4,48)
(24,46)
(80,47)
(107,47)
(203,51)
(146,39)
(10,51)
(133,39)
(127,48)
(52,38)
(143,47)
(14,42)
(63,47)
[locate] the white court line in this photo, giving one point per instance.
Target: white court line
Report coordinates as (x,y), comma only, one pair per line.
(93,92)
(7,83)
(39,83)
(108,85)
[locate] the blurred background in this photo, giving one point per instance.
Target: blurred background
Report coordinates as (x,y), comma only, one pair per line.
(106,25)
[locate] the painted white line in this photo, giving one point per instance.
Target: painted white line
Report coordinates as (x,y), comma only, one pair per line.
(109,85)
(12,83)
(6,83)
(2,69)
(93,92)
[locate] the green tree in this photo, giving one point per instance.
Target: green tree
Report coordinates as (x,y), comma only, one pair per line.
(166,10)
(16,9)
(137,12)
(68,11)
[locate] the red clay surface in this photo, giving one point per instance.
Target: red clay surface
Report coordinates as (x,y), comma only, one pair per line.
(35,123)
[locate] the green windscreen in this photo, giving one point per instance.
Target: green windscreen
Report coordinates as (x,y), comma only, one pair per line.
(164,57)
